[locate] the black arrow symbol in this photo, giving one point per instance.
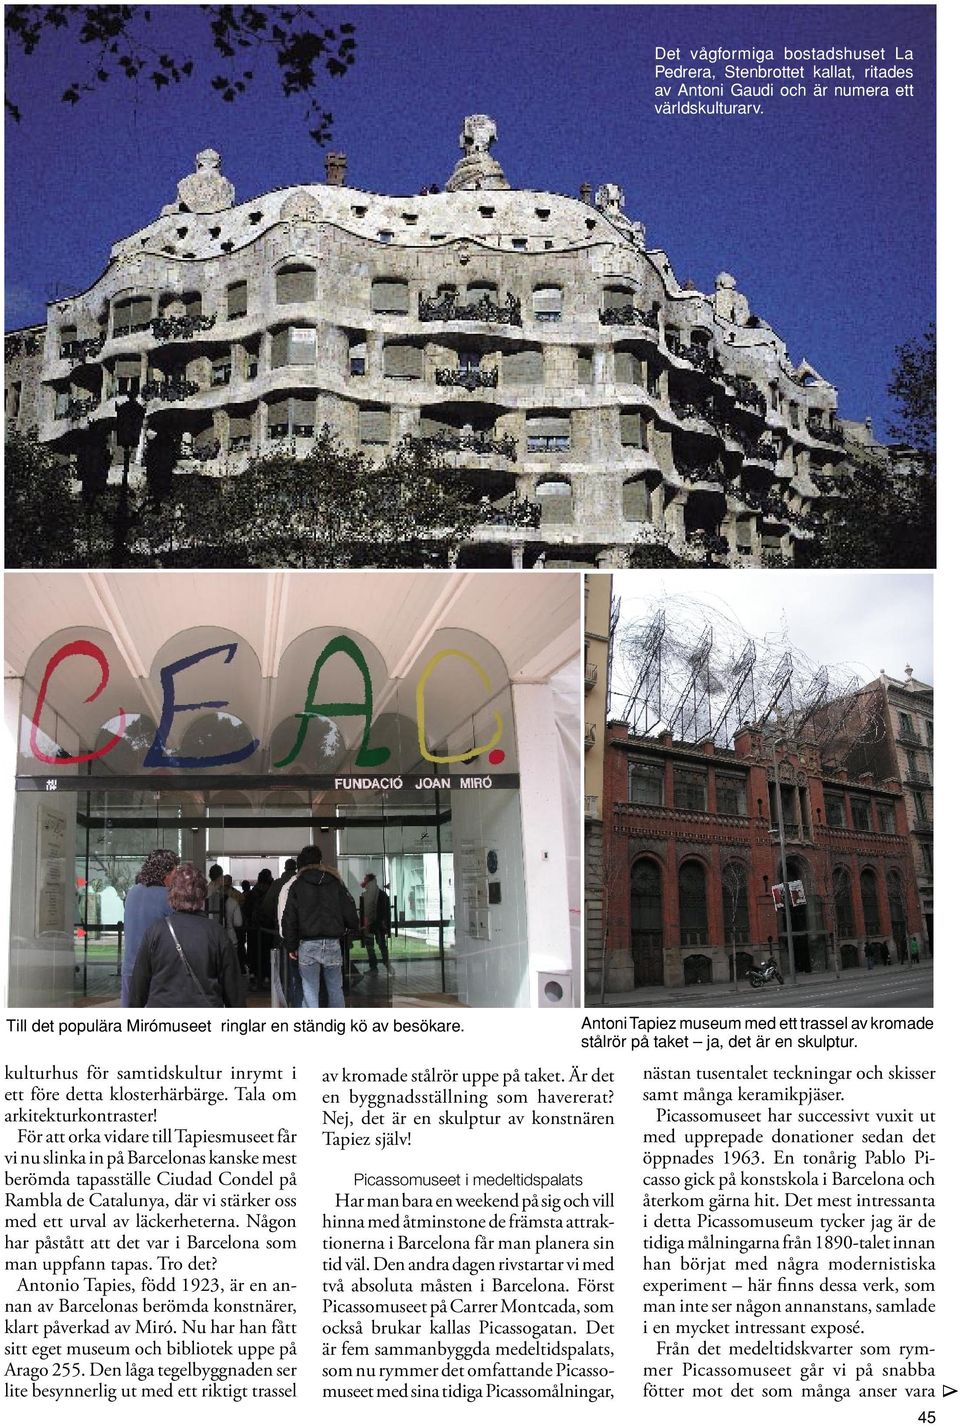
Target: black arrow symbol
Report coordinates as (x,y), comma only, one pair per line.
(949,1391)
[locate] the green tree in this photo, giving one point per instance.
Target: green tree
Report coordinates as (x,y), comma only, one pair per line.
(40,512)
(139,43)
(913,387)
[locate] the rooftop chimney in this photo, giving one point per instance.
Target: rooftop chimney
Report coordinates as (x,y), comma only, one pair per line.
(336,165)
(586,194)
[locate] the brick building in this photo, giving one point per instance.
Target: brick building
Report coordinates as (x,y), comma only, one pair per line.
(693,852)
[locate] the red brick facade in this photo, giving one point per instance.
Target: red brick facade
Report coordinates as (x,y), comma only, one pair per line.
(691,857)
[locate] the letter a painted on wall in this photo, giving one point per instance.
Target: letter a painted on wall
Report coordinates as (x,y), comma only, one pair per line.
(366,757)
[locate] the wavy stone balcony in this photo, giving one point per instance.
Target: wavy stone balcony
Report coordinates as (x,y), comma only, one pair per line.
(747,393)
(172,389)
(447,309)
(179,329)
(455,443)
(470,378)
(631,317)
(517,514)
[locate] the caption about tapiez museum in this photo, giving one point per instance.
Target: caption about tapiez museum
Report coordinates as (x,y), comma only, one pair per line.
(712,80)
(415,1215)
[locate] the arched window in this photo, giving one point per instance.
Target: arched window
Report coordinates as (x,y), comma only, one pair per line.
(898,912)
(736,905)
(646,921)
(871,903)
(693,905)
(843,901)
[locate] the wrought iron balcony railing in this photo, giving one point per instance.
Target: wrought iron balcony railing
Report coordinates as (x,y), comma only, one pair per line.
(694,410)
(764,451)
(589,735)
(747,393)
(80,407)
(590,674)
(470,378)
(712,473)
(20,344)
(129,329)
(180,329)
(456,441)
(209,450)
(697,356)
(171,389)
(445,308)
(830,435)
(629,317)
(516,514)
(83,349)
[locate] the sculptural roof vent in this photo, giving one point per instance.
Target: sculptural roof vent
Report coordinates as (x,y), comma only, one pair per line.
(478,168)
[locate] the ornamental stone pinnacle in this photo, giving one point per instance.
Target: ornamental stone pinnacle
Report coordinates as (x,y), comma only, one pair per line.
(478,168)
(206,190)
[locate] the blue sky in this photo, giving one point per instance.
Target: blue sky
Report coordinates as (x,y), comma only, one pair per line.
(822,209)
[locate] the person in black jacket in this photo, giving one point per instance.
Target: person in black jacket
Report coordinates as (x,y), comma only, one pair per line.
(315,914)
(186,960)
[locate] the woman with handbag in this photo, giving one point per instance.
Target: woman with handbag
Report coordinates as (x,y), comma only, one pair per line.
(186,960)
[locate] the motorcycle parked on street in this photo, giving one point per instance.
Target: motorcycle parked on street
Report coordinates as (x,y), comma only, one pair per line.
(764,973)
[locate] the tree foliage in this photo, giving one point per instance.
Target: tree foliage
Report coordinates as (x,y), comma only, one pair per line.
(140,43)
(331,509)
(913,387)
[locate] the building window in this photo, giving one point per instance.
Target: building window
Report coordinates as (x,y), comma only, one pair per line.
(646,922)
(920,806)
(646,784)
(292,416)
(690,788)
(929,733)
(633,430)
(547,304)
(548,433)
(236,300)
(636,499)
(693,905)
(358,359)
(296,284)
(127,376)
(898,914)
(835,811)
(627,368)
(732,796)
(403,360)
(523,368)
(871,903)
(389,295)
(131,314)
(843,901)
(238,438)
(860,812)
(885,818)
(374,426)
(385,235)
(220,371)
(926,856)
(584,368)
(294,346)
(906,724)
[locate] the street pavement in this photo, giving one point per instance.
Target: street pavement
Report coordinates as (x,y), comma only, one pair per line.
(887,987)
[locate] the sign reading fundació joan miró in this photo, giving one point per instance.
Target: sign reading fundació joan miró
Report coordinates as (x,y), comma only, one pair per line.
(315,706)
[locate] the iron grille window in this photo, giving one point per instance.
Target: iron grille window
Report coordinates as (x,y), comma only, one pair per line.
(736,906)
(885,817)
(732,796)
(690,789)
(843,901)
(871,904)
(693,905)
(906,722)
(860,811)
(646,784)
(835,812)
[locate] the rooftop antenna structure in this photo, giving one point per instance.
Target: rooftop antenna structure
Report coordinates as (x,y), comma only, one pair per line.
(814,698)
(646,695)
(856,718)
(691,716)
(741,705)
(781,691)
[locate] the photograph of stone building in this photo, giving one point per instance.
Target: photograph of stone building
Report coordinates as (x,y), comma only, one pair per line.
(591,404)
(735,767)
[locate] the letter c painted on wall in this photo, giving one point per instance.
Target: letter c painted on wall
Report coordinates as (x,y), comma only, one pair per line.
(92,651)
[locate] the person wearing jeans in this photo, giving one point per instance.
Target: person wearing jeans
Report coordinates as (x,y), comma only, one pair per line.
(321,958)
(315,912)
